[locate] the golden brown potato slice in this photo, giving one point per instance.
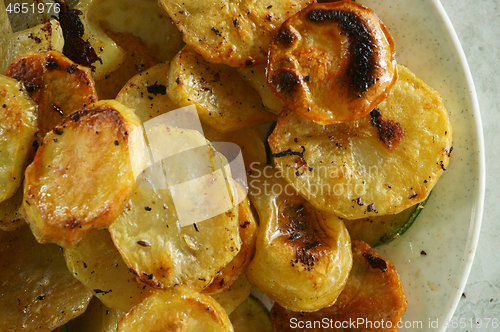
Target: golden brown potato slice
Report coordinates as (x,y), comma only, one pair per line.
(11,217)
(18,120)
(44,37)
(37,292)
(332,62)
(250,316)
(303,255)
(186,233)
(381,164)
(98,265)
(58,85)
(256,76)
(224,100)
(81,176)
(373,293)
(248,234)
(97,318)
(231,298)
(181,309)
(236,33)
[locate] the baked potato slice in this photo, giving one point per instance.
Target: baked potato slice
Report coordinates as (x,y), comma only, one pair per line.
(251,315)
(373,293)
(97,318)
(186,233)
(332,62)
(57,85)
(256,76)
(225,279)
(18,120)
(37,292)
(381,164)
(98,265)
(11,216)
(303,255)
(180,309)
(232,297)
(224,100)
(236,33)
(82,174)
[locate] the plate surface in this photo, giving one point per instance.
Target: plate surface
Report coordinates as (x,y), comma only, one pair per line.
(447,230)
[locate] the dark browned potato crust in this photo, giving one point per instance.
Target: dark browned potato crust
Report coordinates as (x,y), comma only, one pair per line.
(332,62)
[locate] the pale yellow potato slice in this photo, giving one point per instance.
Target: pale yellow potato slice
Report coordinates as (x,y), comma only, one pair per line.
(146,93)
(57,85)
(256,76)
(232,297)
(97,318)
(332,62)
(185,233)
(37,292)
(82,174)
(180,309)
(303,255)
(373,293)
(11,216)
(18,120)
(224,100)
(98,265)
(250,316)
(381,164)
(236,33)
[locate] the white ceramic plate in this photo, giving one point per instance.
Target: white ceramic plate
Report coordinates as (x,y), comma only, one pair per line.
(448,228)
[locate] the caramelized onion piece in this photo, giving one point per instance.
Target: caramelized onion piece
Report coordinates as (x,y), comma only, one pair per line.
(373,293)
(332,62)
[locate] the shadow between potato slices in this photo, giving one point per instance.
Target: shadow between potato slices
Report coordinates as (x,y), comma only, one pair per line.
(382,164)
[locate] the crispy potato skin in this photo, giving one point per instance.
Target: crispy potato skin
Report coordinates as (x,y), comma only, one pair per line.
(303,255)
(382,164)
(223,99)
(169,311)
(235,33)
(18,120)
(332,62)
(37,292)
(81,175)
(373,292)
(57,85)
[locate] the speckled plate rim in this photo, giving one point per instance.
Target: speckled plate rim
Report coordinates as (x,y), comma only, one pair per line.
(476,220)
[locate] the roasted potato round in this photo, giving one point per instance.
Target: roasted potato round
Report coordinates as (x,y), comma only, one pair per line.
(97,318)
(236,33)
(37,292)
(57,85)
(332,62)
(224,100)
(232,297)
(381,164)
(82,174)
(373,293)
(98,265)
(303,255)
(181,309)
(18,120)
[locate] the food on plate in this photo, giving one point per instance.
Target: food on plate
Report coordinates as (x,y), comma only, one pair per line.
(97,318)
(58,86)
(224,100)
(373,293)
(250,316)
(303,255)
(332,62)
(37,292)
(81,175)
(11,215)
(232,297)
(18,120)
(381,164)
(99,266)
(233,33)
(179,309)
